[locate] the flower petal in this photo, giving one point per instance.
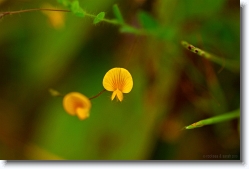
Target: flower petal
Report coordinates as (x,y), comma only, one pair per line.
(108,83)
(118,78)
(114,94)
(117,93)
(127,81)
(73,101)
(82,113)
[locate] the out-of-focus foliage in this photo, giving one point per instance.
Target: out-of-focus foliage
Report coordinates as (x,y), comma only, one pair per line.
(99,17)
(172,87)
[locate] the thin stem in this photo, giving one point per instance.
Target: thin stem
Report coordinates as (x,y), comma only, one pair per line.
(229,64)
(105,20)
(110,21)
(122,24)
(31,10)
(215,119)
(97,94)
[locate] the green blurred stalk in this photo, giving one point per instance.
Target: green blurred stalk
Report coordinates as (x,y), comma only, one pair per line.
(118,14)
(229,64)
(216,119)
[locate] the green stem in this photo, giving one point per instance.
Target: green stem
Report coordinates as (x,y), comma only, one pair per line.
(105,20)
(229,64)
(121,24)
(216,119)
(31,10)
(110,21)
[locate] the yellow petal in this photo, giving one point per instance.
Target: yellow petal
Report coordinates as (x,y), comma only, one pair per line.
(76,103)
(117,93)
(82,113)
(120,95)
(114,94)
(118,78)
(128,83)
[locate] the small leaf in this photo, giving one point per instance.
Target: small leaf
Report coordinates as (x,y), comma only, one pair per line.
(147,21)
(99,17)
(118,14)
(76,9)
(75,6)
(54,92)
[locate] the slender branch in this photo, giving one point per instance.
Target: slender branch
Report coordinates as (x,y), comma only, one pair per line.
(122,24)
(104,19)
(110,21)
(229,64)
(215,119)
(97,94)
(31,10)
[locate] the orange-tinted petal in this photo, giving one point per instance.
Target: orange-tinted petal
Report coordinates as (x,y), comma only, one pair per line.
(75,103)
(118,78)
(117,93)
(82,113)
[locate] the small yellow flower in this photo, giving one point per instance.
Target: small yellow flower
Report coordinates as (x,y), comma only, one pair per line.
(77,104)
(119,81)
(56,19)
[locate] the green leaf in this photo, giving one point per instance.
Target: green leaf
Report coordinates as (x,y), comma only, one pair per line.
(147,21)
(99,17)
(215,119)
(118,14)
(76,9)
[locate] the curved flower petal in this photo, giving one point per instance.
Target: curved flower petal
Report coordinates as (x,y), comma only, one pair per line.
(76,103)
(117,93)
(82,113)
(118,80)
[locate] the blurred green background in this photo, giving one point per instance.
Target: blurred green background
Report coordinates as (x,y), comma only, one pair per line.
(172,86)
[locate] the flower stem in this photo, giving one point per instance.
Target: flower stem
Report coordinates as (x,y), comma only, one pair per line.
(97,95)
(31,10)
(110,21)
(216,119)
(229,64)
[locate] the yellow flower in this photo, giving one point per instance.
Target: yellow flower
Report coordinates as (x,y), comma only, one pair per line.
(77,104)
(56,19)
(119,81)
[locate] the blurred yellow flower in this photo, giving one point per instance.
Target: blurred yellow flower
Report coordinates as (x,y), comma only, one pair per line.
(56,19)
(77,104)
(119,81)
